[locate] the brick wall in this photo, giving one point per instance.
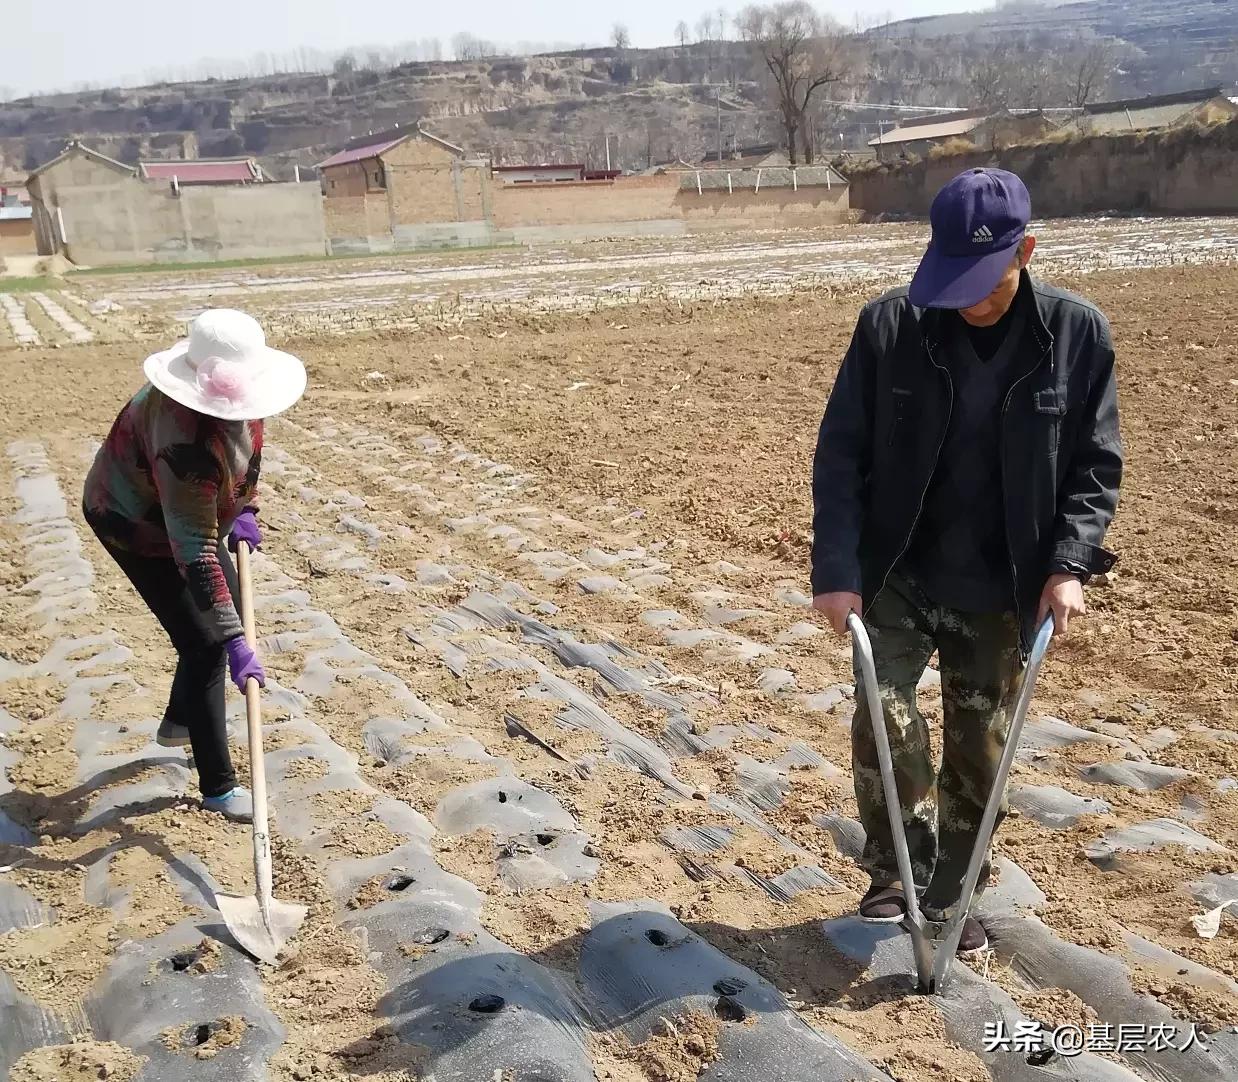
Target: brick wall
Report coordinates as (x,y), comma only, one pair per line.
(349,180)
(625,199)
(422,194)
(771,206)
(357,218)
(428,184)
(17,237)
(658,198)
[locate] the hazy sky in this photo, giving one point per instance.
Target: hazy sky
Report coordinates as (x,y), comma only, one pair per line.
(46,46)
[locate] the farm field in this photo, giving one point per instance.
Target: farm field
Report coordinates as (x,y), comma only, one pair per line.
(559,759)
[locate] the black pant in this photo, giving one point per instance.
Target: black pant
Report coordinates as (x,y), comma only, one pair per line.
(197,698)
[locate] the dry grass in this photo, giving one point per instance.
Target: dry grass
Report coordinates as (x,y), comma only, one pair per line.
(950,147)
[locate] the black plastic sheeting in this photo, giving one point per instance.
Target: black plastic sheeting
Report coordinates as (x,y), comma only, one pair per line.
(639,964)
(11,833)
(474,1005)
(149,989)
(1104,983)
(142,993)
(24,1025)
(968,1005)
(467,1006)
(477,1007)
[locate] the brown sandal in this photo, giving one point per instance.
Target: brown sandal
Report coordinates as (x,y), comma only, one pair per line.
(883,905)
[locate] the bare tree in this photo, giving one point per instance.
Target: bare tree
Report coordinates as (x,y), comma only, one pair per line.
(1089,71)
(989,81)
(1037,80)
(681,33)
(802,52)
(466,47)
(619,36)
(705,27)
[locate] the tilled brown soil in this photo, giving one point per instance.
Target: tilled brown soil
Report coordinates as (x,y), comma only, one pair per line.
(689,427)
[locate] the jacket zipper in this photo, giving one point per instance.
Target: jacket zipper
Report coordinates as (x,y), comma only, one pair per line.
(1001,452)
(924,491)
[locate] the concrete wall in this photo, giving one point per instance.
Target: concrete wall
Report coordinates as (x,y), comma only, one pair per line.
(112,218)
(1180,171)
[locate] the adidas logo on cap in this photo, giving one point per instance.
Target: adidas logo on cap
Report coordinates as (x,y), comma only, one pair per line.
(983,235)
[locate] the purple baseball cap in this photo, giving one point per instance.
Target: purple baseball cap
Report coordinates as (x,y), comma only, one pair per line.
(978,219)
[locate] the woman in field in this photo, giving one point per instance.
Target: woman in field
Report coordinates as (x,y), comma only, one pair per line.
(175,480)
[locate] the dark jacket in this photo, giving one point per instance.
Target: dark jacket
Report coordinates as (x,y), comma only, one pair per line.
(886,420)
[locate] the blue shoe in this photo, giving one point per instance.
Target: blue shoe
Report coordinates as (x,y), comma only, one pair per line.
(171,735)
(237,805)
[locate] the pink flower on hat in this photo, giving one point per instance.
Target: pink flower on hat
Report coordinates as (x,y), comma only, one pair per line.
(221,379)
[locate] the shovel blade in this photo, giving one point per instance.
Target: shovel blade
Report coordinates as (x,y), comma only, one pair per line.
(243,918)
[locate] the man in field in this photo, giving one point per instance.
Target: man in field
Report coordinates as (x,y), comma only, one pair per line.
(966,471)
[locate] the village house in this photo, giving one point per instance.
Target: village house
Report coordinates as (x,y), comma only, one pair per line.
(1205,106)
(95,211)
(404,188)
(983,128)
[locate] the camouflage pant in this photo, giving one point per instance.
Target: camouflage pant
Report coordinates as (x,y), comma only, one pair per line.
(980,675)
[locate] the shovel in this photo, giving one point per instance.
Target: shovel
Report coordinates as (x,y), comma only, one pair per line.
(261,924)
(933,963)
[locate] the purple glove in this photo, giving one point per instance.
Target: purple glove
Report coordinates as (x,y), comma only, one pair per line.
(243,663)
(245,528)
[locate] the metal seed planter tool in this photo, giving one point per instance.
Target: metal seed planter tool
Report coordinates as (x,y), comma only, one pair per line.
(933,944)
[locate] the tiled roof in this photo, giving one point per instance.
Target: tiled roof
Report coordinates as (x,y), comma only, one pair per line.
(1163,116)
(1153,101)
(358,154)
(362,147)
(929,128)
(238,171)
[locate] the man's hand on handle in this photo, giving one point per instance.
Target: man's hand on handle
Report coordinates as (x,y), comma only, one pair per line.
(1063,596)
(836,607)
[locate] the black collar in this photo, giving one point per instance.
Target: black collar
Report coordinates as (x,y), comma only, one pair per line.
(933,324)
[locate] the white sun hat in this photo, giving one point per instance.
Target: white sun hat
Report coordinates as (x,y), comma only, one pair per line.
(225,369)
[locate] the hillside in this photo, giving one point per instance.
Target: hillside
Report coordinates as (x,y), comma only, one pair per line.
(1168,46)
(654,104)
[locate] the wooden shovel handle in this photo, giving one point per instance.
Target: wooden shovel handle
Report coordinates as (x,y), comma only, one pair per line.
(257,766)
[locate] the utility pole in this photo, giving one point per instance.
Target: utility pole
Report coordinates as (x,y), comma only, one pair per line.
(718,101)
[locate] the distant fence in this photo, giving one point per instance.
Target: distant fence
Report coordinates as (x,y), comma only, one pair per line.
(754,180)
